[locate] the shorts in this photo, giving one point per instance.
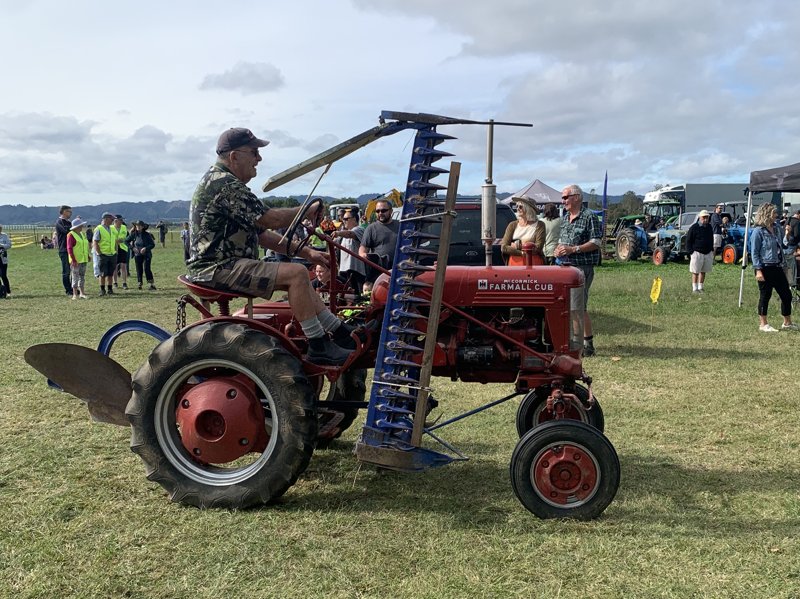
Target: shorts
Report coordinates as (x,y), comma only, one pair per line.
(717,241)
(701,262)
(122,256)
(251,277)
(107,265)
(78,274)
(588,277)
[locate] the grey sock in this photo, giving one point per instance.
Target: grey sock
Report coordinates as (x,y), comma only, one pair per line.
(312,327)
(328,321)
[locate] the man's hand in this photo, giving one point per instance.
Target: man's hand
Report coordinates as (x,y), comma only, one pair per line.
(759,276)
(315,213)
(317,257)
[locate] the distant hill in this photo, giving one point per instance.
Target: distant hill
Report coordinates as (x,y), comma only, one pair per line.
(151,212)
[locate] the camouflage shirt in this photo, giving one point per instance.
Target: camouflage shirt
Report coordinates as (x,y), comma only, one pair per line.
(223,217)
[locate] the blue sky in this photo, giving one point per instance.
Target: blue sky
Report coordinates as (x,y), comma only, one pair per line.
(124,101)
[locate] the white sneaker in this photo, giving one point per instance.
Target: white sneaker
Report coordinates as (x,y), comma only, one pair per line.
(790,327)
(767,328)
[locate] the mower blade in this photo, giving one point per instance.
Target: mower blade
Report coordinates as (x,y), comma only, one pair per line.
(88,375)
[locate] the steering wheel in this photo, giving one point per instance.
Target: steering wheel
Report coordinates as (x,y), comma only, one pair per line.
(297,222)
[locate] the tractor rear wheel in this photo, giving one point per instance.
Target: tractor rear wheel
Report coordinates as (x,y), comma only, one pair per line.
(222,416)
(660,255)
(627,246)
(729,254)
(565,469)
(351,386)
(532,411)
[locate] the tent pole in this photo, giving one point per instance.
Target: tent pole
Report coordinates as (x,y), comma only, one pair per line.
(746,237)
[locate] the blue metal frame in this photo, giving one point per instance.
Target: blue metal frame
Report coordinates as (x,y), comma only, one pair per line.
(130,326)
(390,416)
(112,334)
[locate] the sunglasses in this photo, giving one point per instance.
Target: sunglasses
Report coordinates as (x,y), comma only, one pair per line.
(568,196)
(381,211)
(254,153)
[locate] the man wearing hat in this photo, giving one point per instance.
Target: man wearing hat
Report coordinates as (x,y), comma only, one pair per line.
(105,245)
(79,256)
(142,243)
(579,246)
(229,223)
(700,247)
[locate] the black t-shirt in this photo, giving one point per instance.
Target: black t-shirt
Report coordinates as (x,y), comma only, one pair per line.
(794,231)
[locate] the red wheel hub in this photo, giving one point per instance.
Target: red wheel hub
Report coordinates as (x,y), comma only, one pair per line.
(565,474)
(221,419)
(570,412)
(729,255)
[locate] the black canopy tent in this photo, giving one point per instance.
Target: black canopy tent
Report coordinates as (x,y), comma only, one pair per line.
(784,178)
(780,179)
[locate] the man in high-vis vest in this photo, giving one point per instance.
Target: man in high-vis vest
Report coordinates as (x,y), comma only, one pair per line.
(120,229)
(105,244)
(79,256)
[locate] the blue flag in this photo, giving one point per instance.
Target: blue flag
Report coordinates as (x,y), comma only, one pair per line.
(605,203)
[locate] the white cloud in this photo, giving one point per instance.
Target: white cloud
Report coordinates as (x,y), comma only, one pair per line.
(247,78)
(650,91)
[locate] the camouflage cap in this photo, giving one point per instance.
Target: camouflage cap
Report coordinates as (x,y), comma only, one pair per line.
(238,137)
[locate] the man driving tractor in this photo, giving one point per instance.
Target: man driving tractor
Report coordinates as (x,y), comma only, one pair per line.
(229,223)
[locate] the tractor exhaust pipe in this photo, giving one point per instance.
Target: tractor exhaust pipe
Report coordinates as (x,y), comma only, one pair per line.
(489,199)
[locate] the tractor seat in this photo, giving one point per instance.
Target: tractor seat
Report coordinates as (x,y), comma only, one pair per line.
(209,295)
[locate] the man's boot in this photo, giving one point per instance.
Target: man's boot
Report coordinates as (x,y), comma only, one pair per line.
(341,336)
(325,352)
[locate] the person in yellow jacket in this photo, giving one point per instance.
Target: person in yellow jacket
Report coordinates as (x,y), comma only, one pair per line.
(120,230)
(79,256)
(105,245)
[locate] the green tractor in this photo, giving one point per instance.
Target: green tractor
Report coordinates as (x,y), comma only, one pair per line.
(660,213)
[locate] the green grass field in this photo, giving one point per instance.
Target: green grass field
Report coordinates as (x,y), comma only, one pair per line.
(701,407)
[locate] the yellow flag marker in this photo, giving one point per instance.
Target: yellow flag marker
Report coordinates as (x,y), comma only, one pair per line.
(655,290)
(655,293)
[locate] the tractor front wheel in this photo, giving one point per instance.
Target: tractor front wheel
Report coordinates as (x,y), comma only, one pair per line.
(351,386)
(729,254)
(532,411)
(565,469)
(660,255)
(222,416)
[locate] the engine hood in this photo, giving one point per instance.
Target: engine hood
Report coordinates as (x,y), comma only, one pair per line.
(497,286)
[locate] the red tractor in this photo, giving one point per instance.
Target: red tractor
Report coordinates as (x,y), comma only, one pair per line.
(227,412)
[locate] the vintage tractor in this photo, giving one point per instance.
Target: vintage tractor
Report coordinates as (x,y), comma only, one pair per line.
(667,243)
(226,412)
